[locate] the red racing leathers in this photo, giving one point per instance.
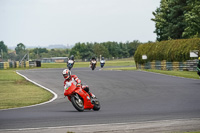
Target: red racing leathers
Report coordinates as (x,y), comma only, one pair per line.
(76,81)
(73,79)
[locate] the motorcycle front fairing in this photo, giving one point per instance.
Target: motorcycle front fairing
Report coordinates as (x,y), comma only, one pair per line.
(68,91)
(70,62)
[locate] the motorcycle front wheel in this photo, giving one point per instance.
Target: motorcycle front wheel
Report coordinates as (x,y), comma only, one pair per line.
(96,104)
(77,102)
(93,66)
(69,67)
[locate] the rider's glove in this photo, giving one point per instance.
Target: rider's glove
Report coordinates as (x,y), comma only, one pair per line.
(78,85)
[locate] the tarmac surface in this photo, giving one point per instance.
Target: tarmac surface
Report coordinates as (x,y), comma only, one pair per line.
(131,101)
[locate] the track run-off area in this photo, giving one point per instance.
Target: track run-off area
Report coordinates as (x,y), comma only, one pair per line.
(129,100)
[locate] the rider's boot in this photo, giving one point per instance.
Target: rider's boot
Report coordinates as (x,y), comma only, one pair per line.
(86,88)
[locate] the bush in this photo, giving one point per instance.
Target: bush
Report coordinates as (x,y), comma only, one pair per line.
(172,50)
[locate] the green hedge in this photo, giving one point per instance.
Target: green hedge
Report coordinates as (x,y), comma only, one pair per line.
(172,50)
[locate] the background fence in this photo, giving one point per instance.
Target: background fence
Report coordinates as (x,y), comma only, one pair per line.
(17,64)
(189,65)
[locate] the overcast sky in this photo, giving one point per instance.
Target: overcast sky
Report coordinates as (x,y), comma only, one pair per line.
(48,22)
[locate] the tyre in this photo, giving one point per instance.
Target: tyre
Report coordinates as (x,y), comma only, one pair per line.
(69,68)
(96,104)
(93,66)
(77,102)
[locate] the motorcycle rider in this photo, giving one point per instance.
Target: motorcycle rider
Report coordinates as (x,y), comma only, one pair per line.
(71,59)
(93,59)
(198,68)
(102,62)
(70,62)
(69,79)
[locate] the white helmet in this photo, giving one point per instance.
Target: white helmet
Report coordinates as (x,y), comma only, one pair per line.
(66,74)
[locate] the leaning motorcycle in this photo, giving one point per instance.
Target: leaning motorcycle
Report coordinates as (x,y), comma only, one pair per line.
(70,64)
(93,64)
(80,99)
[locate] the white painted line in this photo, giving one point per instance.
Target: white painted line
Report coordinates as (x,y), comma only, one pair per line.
(194,122)
(54,98)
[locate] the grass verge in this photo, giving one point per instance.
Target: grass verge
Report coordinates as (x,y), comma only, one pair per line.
(185,74)
(15,91)
(121,68)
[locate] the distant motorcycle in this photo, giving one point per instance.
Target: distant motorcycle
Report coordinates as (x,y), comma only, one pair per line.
(93,64)
(102,62)
(70,64)
(80,99)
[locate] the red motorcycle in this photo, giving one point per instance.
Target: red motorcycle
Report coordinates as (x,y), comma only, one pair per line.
(80,99)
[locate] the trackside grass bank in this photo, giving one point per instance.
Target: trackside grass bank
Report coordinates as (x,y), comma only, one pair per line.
(185,74)
(15,91)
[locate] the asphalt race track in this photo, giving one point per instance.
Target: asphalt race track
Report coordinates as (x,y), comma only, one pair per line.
(125,96)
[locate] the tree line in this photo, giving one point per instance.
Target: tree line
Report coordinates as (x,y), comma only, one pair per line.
(177,19)
(84,51)
(33,54)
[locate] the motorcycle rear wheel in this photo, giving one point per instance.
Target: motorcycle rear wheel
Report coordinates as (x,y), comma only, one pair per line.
(77,102)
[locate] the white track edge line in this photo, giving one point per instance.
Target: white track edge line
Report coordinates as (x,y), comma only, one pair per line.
(51,100)
(107,124)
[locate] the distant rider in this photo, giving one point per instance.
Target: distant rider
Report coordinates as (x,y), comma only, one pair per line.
(69,79)
(70,62)
(71,59)
(198,68)
(93,59)
(102,62)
